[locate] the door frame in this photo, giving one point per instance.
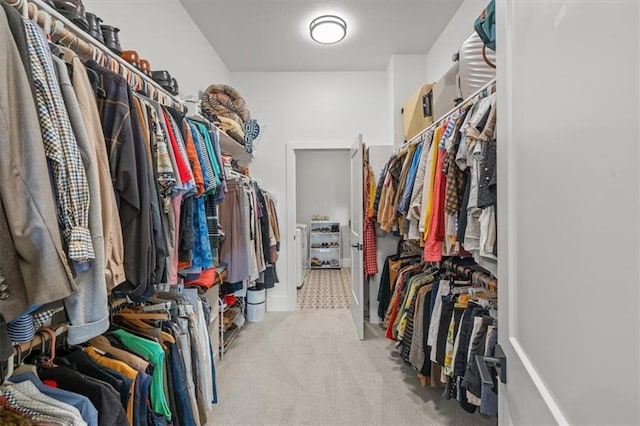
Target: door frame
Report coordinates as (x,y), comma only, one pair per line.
(291,149)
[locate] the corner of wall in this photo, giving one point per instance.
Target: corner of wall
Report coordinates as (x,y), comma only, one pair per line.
(457,30)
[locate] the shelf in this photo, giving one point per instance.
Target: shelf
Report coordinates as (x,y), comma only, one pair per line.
(325,221)
(229,338)
(326,267)
(229,145)
(324,233)
(325,249)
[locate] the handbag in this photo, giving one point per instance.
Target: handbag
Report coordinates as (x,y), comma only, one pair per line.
(485,26)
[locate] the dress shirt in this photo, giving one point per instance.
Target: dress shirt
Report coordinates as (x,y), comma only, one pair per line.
(61,148)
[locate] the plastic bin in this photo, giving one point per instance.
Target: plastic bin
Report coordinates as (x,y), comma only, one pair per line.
(256,304)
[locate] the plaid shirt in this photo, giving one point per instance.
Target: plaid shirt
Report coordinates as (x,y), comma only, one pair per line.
(61,149)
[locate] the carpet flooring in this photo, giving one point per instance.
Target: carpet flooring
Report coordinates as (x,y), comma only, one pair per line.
(326,289)
(308,368)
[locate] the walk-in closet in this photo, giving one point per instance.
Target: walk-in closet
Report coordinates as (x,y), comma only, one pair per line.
(328,212)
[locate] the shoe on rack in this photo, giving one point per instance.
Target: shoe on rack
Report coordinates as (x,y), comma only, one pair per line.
(74,11)
(111,38)
(94,27)
(132,57)
(145,67)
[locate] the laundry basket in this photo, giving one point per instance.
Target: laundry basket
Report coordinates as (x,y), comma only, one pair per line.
(256,304)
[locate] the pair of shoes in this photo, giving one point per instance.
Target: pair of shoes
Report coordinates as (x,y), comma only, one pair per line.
(335,263)
(335,228)
(316,262)
(316,245)
(166,81)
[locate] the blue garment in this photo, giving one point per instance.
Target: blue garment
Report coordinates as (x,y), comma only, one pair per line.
(447,132)
(82,403)
(203,158)
(202,257)
(140,407)
(403,207)
(210,152)
(183,404)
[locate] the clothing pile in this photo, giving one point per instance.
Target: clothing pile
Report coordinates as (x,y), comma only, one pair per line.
(102,190)
(224,104)
(152,368)
(441,190)
(438,329)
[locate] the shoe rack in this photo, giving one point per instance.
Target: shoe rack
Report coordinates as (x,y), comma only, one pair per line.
(324,244)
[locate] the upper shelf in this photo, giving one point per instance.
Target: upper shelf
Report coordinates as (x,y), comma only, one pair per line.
(231,146)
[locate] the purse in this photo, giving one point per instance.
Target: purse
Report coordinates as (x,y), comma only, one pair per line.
(485,26)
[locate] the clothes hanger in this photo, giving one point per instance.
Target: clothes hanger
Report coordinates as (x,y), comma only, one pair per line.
(44,360)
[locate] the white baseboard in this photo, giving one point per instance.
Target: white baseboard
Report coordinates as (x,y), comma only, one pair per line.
(345,263)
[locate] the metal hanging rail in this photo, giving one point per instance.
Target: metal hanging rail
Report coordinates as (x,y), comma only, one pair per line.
(490,83)
(65,32)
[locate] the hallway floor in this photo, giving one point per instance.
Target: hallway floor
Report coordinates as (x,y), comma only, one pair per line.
(307,367)
(326,289)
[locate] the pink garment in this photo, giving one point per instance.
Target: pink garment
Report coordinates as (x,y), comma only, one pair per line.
(433,245)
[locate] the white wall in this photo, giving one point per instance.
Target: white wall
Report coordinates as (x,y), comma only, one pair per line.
(308,108)
(322,188)
(162,32)
(457,30)
(406,74)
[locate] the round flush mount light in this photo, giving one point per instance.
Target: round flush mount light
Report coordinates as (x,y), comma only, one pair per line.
(328,29)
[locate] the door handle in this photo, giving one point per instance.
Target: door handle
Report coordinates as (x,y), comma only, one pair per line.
(357,246)
(499,362)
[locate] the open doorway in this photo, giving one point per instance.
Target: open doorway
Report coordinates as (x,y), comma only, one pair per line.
(322,212)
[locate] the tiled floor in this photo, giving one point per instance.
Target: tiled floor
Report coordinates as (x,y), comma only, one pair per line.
(326,289)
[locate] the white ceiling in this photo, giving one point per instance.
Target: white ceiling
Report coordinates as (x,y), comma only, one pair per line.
(273,35)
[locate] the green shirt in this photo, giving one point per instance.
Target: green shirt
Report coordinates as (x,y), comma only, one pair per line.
(153,351)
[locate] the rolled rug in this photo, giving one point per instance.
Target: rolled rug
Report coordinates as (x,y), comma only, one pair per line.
(221,99)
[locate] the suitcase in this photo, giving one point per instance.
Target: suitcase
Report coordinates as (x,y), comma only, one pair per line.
(473,70)
(446,92)
(417,111)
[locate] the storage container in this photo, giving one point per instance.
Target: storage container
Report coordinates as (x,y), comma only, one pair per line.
(256,304)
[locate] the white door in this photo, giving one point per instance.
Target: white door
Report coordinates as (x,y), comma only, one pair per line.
(568,164)
(357,268)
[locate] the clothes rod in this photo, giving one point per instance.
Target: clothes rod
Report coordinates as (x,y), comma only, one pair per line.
(474,275)
(452,110)
(68,34)
(22,349)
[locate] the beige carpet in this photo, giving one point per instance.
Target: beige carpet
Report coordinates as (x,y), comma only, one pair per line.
(326,289)
(308,368)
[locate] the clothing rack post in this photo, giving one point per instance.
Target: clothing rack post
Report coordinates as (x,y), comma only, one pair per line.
(67,33)
(488,85)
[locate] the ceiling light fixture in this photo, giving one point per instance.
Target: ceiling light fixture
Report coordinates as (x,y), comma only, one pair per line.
(328,29)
